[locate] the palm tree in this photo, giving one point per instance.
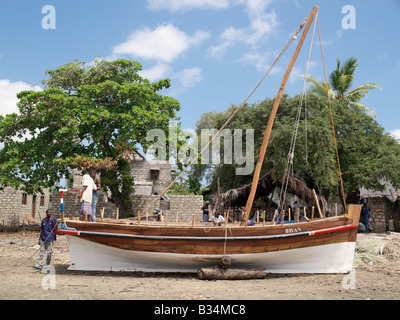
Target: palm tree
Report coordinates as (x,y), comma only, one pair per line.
(340,82)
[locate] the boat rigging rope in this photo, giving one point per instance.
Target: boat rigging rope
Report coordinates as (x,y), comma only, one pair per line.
(292,38)
(333,126)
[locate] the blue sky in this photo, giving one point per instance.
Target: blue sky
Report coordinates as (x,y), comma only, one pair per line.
(214,51)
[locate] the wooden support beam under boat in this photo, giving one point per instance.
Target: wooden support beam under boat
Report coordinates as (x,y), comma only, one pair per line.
(218,273)
(272,117)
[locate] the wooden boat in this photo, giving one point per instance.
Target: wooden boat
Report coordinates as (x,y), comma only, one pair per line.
(324,245)
(320,246)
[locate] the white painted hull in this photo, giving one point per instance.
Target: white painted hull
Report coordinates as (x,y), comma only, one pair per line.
(90,256)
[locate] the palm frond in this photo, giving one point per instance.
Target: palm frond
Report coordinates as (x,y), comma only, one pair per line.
(349,66)
(344,84)
(362,107)
(362,91)
(319,88)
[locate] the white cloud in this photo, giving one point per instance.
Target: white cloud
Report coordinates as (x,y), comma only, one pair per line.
(218,51)
(179,5)
(396,134)
(261,25)
(163,44)
(8,95)
(260,60)
(339,33)
(156,72)
(189,77)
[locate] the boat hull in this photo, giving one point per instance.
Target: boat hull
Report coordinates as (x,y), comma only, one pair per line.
(321,246)
(91,256)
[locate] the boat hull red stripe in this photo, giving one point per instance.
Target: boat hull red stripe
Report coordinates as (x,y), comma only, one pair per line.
(72,233)
(335,229)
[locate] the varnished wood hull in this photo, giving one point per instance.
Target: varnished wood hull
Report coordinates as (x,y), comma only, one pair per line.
(325,245)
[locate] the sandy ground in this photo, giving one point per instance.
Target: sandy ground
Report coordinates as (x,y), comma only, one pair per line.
(20,281)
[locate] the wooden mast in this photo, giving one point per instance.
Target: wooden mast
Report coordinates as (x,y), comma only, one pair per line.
(271,119)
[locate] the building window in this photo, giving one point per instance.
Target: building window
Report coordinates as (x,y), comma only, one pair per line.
(24,198)
(154,174)
(42,201)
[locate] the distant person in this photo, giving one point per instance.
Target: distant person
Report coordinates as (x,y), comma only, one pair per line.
(371,221)
(46,238)
(218,219)
(296,207)
(159,214)
(206,211)
(390,224)
(365,215)
(86,195)
(95,196)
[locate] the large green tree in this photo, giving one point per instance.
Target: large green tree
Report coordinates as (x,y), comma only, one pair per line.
(340,83)
(87,116)
(367,153)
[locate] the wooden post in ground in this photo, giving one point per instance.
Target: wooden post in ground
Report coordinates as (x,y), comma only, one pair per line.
(316,200)
(117,216)
(273,219)
(226,220)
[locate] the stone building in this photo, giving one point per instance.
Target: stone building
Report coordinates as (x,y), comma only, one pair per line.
(17,208)
(151,178)
(383,204)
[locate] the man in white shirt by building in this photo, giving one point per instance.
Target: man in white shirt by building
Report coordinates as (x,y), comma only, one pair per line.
(218,219)
(86,194)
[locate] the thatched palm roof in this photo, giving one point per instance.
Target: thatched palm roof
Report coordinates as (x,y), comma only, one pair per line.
(266,185)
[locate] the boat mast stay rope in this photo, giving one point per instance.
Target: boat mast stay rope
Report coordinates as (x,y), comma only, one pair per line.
(292,38)
(333,126)
(289,165)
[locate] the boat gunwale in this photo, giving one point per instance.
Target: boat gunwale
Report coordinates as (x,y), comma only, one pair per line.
(225,237)
(204,225)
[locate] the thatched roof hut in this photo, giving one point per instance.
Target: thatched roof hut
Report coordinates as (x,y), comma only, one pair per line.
(266,185)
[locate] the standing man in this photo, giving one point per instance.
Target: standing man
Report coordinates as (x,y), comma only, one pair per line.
(46,238)
(86,194)
(206,211)
(95,196)
(365,214)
